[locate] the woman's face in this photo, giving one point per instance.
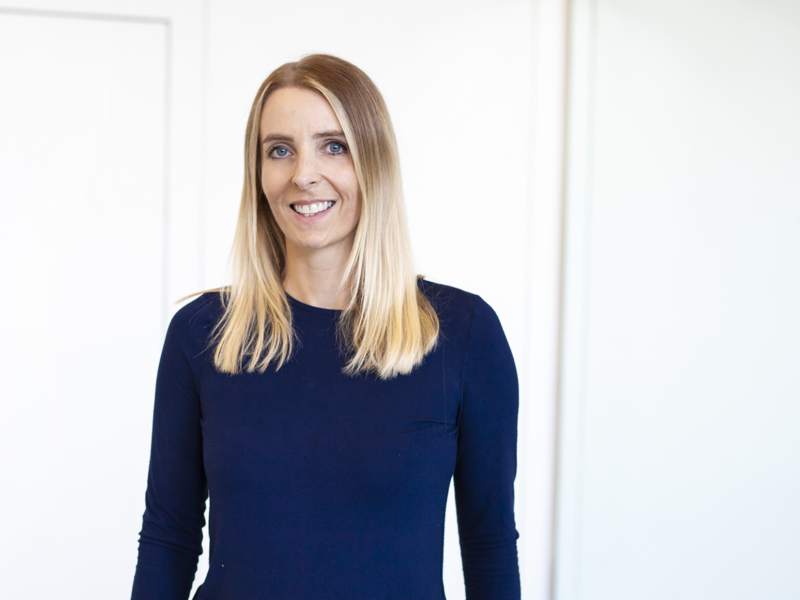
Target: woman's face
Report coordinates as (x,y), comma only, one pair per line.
(308,175)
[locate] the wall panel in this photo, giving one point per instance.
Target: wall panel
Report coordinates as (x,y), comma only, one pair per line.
(680,459)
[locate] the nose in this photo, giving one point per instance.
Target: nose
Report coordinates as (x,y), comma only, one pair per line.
(305,174)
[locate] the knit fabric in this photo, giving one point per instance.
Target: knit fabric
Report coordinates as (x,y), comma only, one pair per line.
(324,486)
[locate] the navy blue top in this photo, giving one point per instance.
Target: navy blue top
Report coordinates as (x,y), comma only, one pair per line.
(324,486)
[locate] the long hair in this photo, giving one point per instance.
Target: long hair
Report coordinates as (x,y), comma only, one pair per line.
(389,325)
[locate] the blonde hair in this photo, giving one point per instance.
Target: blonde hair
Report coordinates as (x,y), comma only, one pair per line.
(389,325)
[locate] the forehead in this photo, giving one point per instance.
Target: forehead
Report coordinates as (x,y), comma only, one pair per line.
(296,111)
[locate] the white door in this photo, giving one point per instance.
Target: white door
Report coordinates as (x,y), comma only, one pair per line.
(85,132)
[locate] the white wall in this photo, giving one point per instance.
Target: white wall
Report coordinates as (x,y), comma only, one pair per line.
(475,92)
(680,451)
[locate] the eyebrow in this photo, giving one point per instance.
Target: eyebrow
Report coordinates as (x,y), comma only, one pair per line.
(277,137)
(325,134)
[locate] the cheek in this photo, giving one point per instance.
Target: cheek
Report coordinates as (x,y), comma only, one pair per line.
(358,205)
(355,213)
(273,179)
(265,183)
(272,196)
(349,185)
(353,201)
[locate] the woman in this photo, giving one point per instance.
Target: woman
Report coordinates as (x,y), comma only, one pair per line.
(323,401)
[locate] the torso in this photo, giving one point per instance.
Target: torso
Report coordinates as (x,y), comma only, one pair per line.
(314,472)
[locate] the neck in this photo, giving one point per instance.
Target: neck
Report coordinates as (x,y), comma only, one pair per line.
(315,278)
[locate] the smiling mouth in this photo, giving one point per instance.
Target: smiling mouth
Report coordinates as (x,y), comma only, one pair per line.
(309,210)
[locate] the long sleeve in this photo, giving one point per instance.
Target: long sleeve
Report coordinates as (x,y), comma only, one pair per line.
(171,537)
(487,461)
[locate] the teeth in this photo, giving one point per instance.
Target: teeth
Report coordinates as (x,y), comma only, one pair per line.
(309,210)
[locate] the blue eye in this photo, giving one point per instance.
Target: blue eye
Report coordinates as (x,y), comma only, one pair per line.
(336,148)
(278,152)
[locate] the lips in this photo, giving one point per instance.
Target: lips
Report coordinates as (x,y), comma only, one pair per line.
(309,209)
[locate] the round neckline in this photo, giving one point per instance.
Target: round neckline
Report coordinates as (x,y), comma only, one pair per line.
(315,309)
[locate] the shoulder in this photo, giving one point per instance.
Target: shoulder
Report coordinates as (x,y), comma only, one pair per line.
(192,323)
(207,306)
(460,311)
(472,328)
(447,301)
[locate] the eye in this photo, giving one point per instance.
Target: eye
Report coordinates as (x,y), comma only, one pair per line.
(336,148)
(278,152)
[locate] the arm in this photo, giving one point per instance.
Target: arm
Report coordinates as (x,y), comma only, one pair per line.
(171,537)
(486,463)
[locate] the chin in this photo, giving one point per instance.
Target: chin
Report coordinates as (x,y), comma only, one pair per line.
(322,244)
(309,244)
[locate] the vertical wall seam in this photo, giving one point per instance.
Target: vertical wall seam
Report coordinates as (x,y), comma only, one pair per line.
(202,225)
(574,290)
(550,27)
(586,289)
(567,93)
(523,497)
(166,206)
